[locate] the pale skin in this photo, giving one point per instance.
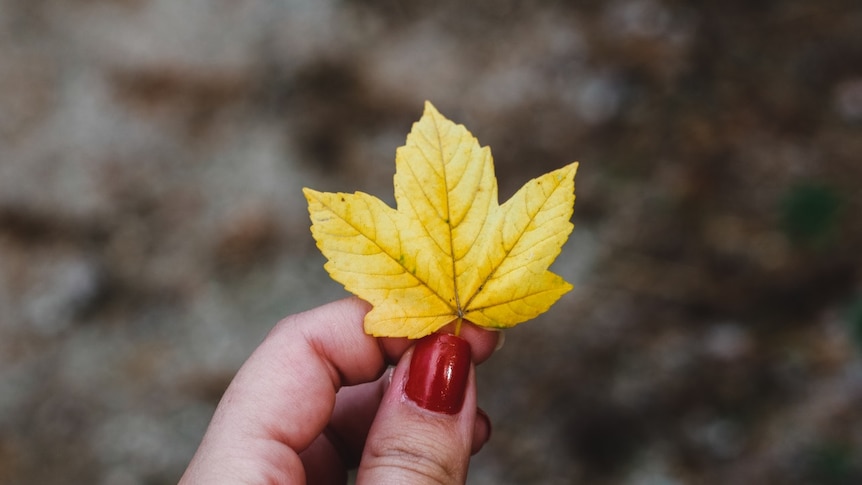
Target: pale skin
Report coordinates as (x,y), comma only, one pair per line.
(315,399)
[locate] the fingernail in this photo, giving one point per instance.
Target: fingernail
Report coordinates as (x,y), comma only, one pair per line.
(501,339)
(437,379)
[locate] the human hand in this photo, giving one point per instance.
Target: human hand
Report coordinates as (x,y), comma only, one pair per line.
(314,400)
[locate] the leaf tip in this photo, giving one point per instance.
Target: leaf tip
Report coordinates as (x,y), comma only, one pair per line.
(431,110)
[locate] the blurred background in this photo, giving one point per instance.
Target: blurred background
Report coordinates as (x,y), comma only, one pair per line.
(152,228)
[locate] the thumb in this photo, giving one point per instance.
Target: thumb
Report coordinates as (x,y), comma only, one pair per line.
(424,428)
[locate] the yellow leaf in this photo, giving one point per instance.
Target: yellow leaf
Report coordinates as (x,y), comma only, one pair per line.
(449,251)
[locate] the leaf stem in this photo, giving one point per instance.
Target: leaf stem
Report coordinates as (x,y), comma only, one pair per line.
(458,327)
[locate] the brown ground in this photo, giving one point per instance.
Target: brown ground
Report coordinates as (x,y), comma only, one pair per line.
(152,228)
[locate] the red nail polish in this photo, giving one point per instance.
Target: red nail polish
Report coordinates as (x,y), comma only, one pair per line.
(438,373)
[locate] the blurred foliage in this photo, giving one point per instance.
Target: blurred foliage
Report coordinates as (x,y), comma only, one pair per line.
(854,318)
(810,214)
(833,464)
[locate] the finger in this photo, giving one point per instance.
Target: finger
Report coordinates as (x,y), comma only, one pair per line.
(481,431)
(339,447)
(483,342)
(424,429)
(283,396)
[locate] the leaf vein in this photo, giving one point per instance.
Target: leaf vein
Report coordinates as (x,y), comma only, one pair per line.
(383,250)
(491,274)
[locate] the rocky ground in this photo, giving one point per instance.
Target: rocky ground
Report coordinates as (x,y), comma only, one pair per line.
(152,227)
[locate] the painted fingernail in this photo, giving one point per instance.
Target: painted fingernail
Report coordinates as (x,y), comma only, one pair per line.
(437,379)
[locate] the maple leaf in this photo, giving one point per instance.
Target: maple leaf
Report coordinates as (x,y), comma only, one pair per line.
(449,251)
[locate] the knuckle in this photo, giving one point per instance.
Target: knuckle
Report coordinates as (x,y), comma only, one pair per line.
(421,463)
